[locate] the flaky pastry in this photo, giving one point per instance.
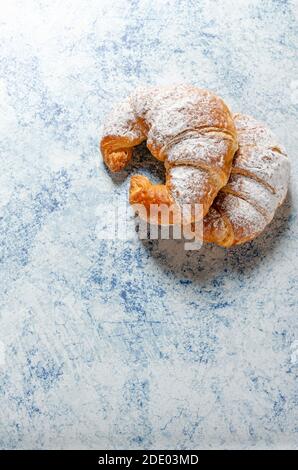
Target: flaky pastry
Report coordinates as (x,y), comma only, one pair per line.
(191,130)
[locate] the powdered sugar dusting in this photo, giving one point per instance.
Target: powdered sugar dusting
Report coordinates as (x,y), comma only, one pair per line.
(167,112)
(207,149)
(184,125)
(189,184)
(245,219)
(176,109)
(256,194)
(122,122)
(254,133)
(260,154)
(267,165)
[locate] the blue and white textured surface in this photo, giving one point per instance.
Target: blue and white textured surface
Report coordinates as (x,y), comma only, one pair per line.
(118,344)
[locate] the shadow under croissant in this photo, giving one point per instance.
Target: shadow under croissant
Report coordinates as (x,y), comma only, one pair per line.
(211,261)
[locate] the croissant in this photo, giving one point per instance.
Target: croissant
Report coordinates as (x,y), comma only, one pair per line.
(257,186)
(191,130)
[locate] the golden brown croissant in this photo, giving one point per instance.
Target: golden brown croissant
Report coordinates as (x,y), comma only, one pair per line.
(257,186)
(189,129)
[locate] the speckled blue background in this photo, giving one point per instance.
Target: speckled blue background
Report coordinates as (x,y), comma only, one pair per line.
(118,344)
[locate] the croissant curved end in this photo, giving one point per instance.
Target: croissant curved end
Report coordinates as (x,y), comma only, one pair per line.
(143,191)
(118,159)
(138,188)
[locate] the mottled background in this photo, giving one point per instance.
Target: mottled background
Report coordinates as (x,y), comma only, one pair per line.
(126,344)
